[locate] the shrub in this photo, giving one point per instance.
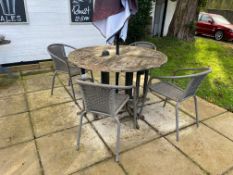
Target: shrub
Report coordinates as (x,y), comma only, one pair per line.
(139,22)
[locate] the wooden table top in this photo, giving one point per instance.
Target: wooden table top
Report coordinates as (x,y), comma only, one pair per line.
(131,59)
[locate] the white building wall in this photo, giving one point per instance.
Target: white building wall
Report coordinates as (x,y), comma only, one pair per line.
(49,22)
(171,7)
(152,15)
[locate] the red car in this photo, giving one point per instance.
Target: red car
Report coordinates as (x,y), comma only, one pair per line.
(215,26)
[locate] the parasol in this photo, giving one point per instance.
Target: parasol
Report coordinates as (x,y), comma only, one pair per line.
(111,18)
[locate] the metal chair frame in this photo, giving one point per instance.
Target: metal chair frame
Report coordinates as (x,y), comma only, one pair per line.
(143,44)
(190,90)
(94,96)
(63,65)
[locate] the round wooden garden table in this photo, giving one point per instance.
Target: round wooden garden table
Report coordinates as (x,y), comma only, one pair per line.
(131,59)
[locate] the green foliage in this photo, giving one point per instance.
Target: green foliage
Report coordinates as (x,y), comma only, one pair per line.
(218,86)
(220,4)
(138,23)
(202,5)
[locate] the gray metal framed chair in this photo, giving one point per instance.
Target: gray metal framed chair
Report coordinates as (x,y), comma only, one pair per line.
(103,99)
(171,91)
(143,44)
(58,53)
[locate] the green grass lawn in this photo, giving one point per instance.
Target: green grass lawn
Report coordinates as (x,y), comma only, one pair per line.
(218,86)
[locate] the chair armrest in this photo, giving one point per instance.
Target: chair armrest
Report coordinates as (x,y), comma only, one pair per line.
(185,69)
(66,45)
(106,85)
(182,76)
(174,77)
(170,77)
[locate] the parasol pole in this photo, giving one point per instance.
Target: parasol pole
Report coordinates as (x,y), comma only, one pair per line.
(117,53)
(118,43)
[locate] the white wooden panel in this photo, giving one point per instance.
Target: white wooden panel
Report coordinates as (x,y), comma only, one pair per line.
(49,22)
(171,7)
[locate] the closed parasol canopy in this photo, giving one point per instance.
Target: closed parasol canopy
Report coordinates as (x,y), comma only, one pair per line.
(111,17)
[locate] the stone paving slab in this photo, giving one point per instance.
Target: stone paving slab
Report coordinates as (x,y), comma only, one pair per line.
(44,98)
(89,115)
(15,129)
(59,155)
(64,78)
(222,123)
(20,159)
(230,172)
(158,157)
(55,118)
(13,88)
(130,137)
(41,82)
(152,99)
(109,167)
(206,147)
(205,109)
(77,91)
(36,74)
(163,118)
(12,105)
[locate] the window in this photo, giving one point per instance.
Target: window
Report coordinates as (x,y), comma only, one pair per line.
(220,20)
(205,18)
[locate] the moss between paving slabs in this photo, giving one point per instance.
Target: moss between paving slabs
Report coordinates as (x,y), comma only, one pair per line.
(218,86)
(7,81)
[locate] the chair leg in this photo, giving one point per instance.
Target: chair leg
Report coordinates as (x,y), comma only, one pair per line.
(79,130)
(69,82)
(177,121)
(53,81)
(136,126)
(117,151)
(145,84)
(138,84)
(72,88)
(165,102)
(196,110)
(143,100)
(92,77)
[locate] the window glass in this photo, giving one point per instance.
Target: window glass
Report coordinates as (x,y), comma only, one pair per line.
(205,18)
(220,20)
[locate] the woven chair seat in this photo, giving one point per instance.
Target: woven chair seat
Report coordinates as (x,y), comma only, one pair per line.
(168,90)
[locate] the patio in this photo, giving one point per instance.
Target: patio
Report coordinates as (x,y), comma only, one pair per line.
(38,134)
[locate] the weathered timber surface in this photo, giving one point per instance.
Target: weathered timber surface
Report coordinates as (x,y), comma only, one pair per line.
(131,59)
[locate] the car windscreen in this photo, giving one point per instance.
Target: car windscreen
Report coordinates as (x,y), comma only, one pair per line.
(220,20)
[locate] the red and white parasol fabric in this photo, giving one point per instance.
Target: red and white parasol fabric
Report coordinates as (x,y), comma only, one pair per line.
(111,17)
